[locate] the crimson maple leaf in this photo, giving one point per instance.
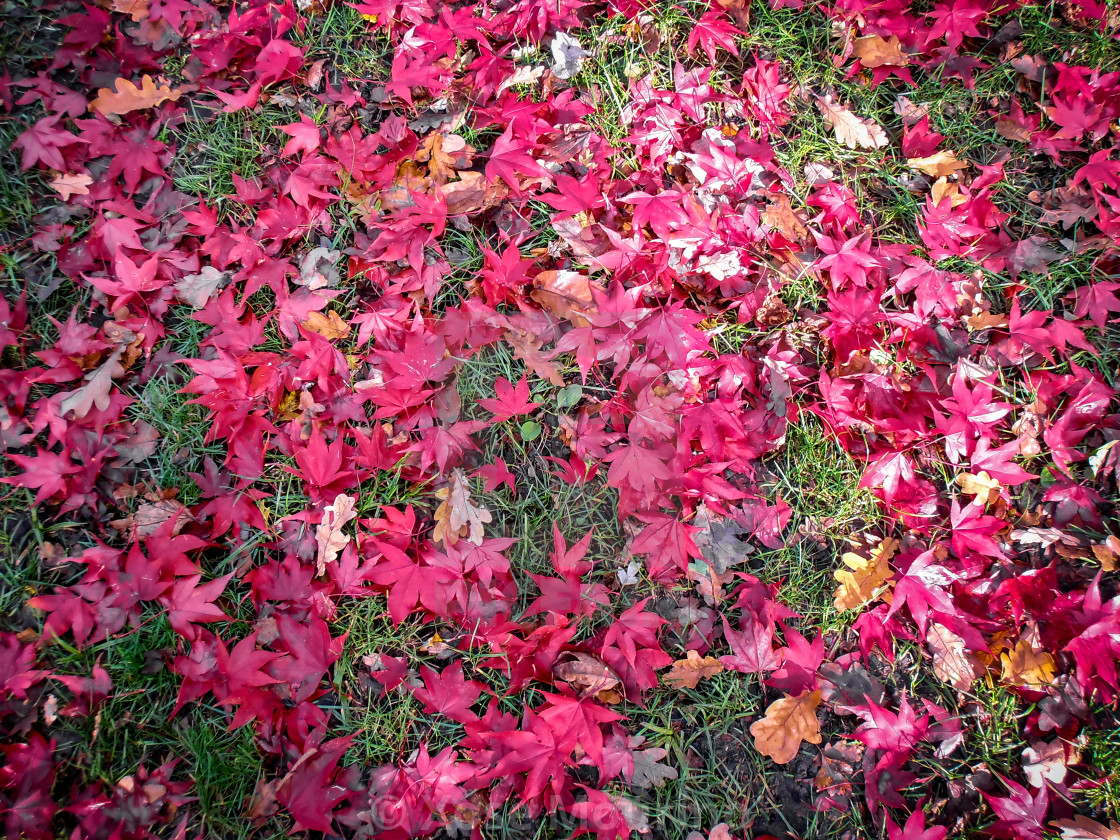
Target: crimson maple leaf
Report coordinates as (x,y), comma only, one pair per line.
(511,400)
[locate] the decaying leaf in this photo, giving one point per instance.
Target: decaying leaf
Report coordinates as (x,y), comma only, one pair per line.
(127,97)
(195,290)
(852,131)
(590,675)
(457,517)
(788,722)
(688,672)
(866,578)
(329,539)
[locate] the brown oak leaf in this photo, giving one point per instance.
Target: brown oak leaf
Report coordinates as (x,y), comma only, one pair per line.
(329,539)
(851,130)
(688,672)
(127,97)
(457,517)
(788,722)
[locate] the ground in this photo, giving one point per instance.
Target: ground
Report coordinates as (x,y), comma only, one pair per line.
(789,327)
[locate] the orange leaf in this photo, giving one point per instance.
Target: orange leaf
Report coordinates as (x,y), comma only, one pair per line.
(687,673)
(127,97)
(788,722)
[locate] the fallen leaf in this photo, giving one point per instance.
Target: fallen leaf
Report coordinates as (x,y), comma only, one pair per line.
(851,130)
(196,289)
(96,392)
(1044,762)
(566,294)
(788,722)
(587,673)
(865,578)
(127,97)
(780,216)
(942,189)
(688,672)
(1025,666)
(329,539)
(951,661)
(567,56)
(330,326)
(1108,553)
(1083,828)
(457,516)
(938,165)
(981,485)
(136,9)
(67,185)
(874,51)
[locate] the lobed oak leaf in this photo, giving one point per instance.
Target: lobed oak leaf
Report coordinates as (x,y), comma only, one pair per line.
(951,661)
(788,722)
(329,539)
(866,578)
(851,130)
(196,290)
(938,165)
(688,672)
(1025,666)
(875,51)
(96,392)
(67,185)
(457,516)
(981,485)
(590,675)
(330,326)
(1083,828)
(128,98)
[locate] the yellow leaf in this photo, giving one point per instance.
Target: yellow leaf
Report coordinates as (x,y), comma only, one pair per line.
(1026,666)
(981,485)
(938,164)
(866,578)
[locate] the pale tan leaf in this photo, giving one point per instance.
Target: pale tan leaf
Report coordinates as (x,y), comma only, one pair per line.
(1083,828)
(66,184)
(457,517)
(96,392)
(329,538)
(851,130)
(951,661)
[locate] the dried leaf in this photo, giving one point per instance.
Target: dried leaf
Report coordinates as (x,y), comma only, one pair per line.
(67,185)
(128,98)
(196,289)
(329,538)
(96,392)
(566,294)
(866,578)
(587,673)
(981,484)
(788,722)
(1044,762)
(688,672)
(951,661)
(330,326)
(851,130)
(1083,828)
(938,165)
(1025,666)
(457,516)
(780,216)
(874,51)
